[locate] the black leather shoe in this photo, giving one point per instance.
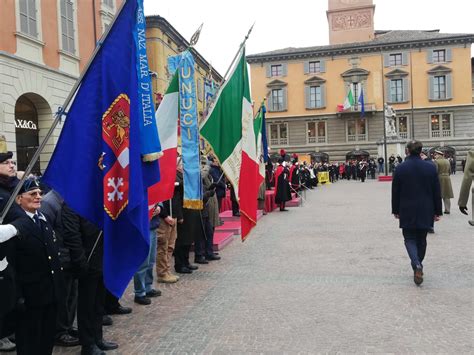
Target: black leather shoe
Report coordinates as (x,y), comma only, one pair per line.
(144,301)
(107,345)
(201,260)
(66,340)
(192,267)
(213,257)
(91,350)
(120,310)
(183,270)
(107,320)
(153,293)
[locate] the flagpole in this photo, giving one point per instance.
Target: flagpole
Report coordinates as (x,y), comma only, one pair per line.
(238,52)
(58,116)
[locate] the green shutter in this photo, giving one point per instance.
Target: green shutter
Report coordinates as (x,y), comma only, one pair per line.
(404,58)
(449,86)
(323,95)
(307,97)
(284,69)
(388,91)
(306,67)
(431,87)
(285,99)
(269,70)
(322,66)
(406,89)
(449,55)
(429,56)
(386,60)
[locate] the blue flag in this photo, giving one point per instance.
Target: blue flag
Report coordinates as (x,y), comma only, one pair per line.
(361,102)
(97,165)
(264,134)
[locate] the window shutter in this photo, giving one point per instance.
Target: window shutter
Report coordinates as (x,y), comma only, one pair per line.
(284,69)
(306,67)
(307,98)
(386,60)
(449,55)
(285,100)
(269,70)
(431,87)
(388,92)
(449,86)
(323,95)
(429,56)
(404,58)
(406,89)
(322,66)
(270,102)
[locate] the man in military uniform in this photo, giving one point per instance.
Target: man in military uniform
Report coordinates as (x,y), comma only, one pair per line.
(444,171)
(39,276)
(466,184)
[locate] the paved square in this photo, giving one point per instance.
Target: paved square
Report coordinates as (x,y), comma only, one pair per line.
(329,277)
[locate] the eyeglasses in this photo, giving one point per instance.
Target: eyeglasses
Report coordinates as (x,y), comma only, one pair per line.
(34,193)
(8,162)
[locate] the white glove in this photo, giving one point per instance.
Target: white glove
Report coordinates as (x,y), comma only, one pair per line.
(7,231)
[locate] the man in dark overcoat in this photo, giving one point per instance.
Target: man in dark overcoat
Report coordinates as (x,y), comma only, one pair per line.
(416,202)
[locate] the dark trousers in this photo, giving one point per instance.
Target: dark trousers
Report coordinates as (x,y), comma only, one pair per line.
(90,309)
(235,204)
(181,256)
(203,245)
(415,243)
(35,331)
(111,302)
(219,202)
(67,306)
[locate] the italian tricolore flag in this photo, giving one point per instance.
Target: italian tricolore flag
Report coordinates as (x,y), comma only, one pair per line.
(229,130)
(167,123)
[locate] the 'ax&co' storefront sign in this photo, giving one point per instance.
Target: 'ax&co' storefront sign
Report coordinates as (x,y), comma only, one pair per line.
(25,124)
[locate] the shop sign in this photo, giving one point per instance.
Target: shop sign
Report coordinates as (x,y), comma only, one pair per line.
(25,124)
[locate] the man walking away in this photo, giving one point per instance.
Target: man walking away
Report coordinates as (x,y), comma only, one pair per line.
(416,202)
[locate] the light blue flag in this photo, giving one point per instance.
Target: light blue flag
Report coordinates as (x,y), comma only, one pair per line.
(189,133)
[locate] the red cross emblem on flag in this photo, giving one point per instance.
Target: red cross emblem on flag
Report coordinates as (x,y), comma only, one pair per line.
(116,133)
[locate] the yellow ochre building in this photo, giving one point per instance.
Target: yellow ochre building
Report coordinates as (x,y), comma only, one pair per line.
(426,76)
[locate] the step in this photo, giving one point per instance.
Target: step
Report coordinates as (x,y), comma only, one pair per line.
(296,202)
(385,178)
(222,239)
(230,226)
(227,216)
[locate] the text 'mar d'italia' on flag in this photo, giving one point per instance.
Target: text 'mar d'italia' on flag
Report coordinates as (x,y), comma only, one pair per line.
(222,128)
(97,164)
(167,123)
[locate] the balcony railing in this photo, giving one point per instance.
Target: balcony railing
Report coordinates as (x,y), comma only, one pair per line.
(403,135)
(356,137)
(281,141)
(320,139)
(368,107)
(443,133)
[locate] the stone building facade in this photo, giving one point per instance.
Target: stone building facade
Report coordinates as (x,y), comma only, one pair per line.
(426,76)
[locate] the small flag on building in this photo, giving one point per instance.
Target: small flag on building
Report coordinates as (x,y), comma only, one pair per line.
(349,101)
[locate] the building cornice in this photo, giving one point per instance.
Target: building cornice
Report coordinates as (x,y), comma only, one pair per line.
(359,48)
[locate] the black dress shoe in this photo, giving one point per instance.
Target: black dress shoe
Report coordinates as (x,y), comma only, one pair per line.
(192,267)
(120,310)
(107,320)
(213,257)
(107,345)
(143,300)
(153,293)
(66,340)
(91,350)
(201,260)
(183,270)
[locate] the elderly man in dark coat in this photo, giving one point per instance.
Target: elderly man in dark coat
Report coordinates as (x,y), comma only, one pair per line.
(416,202)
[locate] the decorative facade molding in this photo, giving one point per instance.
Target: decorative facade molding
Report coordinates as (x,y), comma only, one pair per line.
(440,69)
(315,80)
(397,73)
(276,84)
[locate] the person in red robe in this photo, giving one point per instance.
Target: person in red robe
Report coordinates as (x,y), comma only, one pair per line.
(282,185)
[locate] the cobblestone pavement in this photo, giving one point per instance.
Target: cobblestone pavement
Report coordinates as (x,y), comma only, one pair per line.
(329,277)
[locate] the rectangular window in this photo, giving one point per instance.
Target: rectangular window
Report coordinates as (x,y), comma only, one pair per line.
(441,125)
(316,132)
(395,59)
(315,96)
(67,26)
(356,130)
(28,21)
(277,70)
(396,90)
(277,100)
(278,134)
(402,126)
(439,55)
(314,67)
(439,88)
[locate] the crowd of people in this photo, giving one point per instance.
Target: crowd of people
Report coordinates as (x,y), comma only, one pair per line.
(51,258)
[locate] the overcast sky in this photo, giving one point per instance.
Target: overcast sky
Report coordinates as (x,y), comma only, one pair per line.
(295,23)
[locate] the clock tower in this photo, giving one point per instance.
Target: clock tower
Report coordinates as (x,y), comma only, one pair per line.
(350,21)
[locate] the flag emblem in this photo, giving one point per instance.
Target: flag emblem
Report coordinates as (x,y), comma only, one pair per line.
(116,134)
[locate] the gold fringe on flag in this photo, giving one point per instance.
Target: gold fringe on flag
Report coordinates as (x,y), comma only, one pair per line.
(152,156)
(193,204)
